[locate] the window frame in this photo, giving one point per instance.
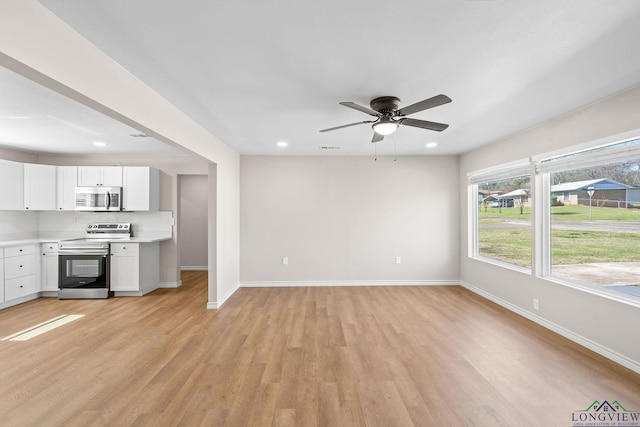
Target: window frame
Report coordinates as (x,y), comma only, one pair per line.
(541,209)
(504,171)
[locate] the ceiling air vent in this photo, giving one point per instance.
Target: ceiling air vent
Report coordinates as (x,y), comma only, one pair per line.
(326,147)
(139,135)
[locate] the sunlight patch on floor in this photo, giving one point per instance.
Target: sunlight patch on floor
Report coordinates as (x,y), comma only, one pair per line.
(41,328)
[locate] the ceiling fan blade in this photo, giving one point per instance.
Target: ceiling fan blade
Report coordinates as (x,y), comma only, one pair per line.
(424,105)
(346,126)
(361,108)
(377,137)
(438,127)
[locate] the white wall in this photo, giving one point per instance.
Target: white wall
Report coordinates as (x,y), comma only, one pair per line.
(347,218)
(605,325)
(17,156)
(192,221)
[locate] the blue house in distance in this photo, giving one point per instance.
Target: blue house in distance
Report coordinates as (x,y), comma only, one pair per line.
(606,193)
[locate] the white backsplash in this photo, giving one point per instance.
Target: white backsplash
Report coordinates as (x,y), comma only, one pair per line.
(73,224)
(16,225)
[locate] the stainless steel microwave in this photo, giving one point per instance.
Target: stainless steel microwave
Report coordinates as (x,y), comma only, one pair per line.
(99,199)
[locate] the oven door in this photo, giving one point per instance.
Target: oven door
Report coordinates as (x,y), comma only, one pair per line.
(83,276)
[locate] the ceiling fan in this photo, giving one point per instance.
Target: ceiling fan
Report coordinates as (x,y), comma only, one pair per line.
(389,117)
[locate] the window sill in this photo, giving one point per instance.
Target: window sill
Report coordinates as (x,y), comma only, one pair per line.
(498,263)
(594,290)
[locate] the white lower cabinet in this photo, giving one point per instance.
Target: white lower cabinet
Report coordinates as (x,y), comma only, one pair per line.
(20,287)
(135,267)
(20,271)
(125,267)
(49,267)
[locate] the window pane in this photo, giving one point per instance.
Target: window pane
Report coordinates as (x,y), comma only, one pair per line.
(595,225)
(504,220)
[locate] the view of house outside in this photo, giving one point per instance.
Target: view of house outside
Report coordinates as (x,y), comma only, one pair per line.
(595,225)
(504,220)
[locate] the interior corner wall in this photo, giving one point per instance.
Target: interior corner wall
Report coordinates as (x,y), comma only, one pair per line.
(192,221)
(602,324)
(348,218)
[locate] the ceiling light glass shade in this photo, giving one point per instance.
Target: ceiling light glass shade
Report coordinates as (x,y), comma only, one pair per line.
(385,127)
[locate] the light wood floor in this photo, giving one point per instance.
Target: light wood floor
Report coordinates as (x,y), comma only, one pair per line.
(374,356)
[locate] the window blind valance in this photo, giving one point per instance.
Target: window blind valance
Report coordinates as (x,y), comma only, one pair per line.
(499,174)
(613,153)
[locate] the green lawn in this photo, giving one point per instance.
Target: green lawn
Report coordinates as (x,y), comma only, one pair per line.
(567,246)
(512,245)
(564,213)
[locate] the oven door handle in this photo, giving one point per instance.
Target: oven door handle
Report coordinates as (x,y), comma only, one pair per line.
(81,252)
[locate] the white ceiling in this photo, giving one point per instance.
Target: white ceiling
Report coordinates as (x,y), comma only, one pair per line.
(36,119)
(256,72)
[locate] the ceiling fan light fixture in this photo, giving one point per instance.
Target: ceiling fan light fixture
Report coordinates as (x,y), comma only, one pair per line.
(385,126)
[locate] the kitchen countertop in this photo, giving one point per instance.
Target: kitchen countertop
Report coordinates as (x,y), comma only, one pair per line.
(148,238)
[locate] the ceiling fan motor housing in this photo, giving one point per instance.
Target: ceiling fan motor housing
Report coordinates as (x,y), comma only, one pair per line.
(386,105)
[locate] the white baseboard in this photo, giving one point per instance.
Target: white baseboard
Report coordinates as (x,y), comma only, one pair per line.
(283,284)
(170,285)
(193,267)
(17,301)
(585,342)
(214,305)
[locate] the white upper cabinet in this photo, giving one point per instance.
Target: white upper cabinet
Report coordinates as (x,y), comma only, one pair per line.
(91,176)
(36,187)
(141,188)
(39,187)
(67,180)
(11,186)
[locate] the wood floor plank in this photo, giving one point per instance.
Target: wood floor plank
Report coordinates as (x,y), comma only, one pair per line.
(334,356)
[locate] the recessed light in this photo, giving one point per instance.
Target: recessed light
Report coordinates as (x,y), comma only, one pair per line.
(282,144)
(432,144)
(100,144)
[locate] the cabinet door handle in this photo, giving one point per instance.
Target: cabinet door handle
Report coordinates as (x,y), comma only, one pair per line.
(20,266)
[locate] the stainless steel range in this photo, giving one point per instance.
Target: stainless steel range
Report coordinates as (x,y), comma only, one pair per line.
(84,263)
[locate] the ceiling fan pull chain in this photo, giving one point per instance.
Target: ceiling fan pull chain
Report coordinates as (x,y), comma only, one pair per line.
(395,144)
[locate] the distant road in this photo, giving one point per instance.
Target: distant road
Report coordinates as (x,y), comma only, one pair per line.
(611,226)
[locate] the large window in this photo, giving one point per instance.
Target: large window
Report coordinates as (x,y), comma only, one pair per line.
(595,217)
(504,216)
(587,222)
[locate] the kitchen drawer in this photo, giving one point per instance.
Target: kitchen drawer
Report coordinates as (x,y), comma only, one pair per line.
(19,287)
(49,248)
(12,251)
(18,266)
(125,248)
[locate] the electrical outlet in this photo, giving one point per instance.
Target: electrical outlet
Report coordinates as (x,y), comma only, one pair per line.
(285,260)
(536,304)
(398,260)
